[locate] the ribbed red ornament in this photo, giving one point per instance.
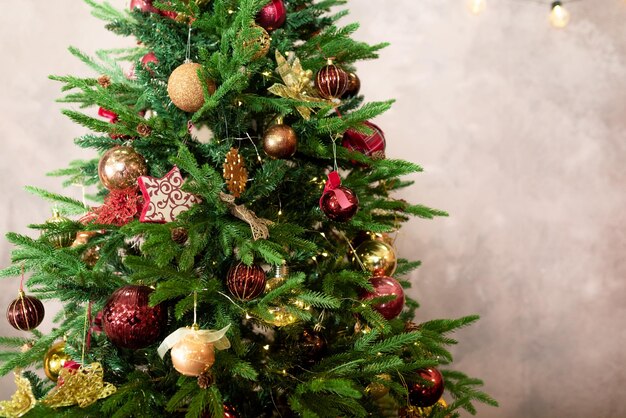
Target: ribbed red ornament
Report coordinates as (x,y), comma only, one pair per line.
(272,15)
(246,282)
(387,286)
(331,81)
(128,319)
(25,312)
(428,390)
(372,145)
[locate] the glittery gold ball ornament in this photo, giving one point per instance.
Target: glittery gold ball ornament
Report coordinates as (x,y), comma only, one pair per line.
(60,239)
(377,257)
(378,389)
(280,141)
(54,360)
(185,87)
(192,355)
(120,167)
(282,317)
(260,42)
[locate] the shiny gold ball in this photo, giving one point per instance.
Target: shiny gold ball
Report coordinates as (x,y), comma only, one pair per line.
(83,237)
(60,239)
(280,141)
(282,317)
(377,257)
(377,389)
(192,356)
(54,360)
(260,42)
(185,87)
(120,167)
(417,412)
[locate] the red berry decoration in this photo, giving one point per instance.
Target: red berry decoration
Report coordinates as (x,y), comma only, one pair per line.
(338,203)
(272,15)
(331,81)
(372,144)
(128,319)
(25,312)
(246,282)
(386,286)
(428,390)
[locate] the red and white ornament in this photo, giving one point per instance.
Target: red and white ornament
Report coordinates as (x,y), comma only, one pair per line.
(338,203)
(164,198)
(371,145)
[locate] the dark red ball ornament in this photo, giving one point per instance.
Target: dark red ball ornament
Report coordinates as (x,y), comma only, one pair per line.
(386,286)
(229,412)
(372,144)
(312,344)
(338,203)
(25,312)
(331,81)
(246,282)
(272,15)
(128,319)
(427,391)
(354,86)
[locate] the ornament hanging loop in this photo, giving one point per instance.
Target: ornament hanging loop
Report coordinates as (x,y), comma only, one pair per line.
(195,310)
(188,49)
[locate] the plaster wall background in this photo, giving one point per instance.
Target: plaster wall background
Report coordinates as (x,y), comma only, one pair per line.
(520,129)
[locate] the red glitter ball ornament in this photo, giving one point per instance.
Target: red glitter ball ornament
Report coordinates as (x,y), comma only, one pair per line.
(272,15)
(128,319)
(25,312)
(428,390)
(246,282)
(331,81)
(386,286)
(372,144)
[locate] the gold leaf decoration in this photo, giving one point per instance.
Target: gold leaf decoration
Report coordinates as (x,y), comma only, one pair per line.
(81,387)
(22,400)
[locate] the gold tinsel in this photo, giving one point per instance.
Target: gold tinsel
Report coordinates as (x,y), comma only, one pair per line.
(235,172)
(80,387)
(22,400)
(298,85)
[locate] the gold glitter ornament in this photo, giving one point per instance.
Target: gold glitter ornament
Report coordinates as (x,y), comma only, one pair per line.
(235,172)
(22,400)
(81,387)
(260,42)
(282,316)
(377,389)
(54,360)
(184,87)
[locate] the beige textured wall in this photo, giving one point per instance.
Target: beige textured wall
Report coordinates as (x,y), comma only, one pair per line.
(520,130)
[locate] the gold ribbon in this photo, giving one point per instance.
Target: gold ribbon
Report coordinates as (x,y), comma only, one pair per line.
(81,387)
(298,84)
(217,338)
(257,225)
(22,400)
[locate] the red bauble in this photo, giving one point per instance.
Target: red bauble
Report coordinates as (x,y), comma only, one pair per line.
(25,312)
(372,144)
(331,81)
(427,391)
(387,286)
(229,412)
(129,321)
(272,15)
(143,5)
(149,58)
(312,344)
(246,282)
(339,204)
(354,86)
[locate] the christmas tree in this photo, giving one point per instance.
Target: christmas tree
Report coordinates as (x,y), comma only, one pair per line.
(238,258)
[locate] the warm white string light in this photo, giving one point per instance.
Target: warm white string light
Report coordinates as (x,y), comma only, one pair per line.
(476,7)
(559,16)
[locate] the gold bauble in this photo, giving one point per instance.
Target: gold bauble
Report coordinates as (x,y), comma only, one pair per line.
(185,87)
(60,239)
(92,254)
(417,412)
(120,167)
(260,42)
(83,237)
(192,356)
(54,360)
(377,389)
(280,141)
(377,257)
(282,317)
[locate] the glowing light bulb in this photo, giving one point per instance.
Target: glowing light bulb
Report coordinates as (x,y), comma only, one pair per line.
(559,16)
(476,6)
